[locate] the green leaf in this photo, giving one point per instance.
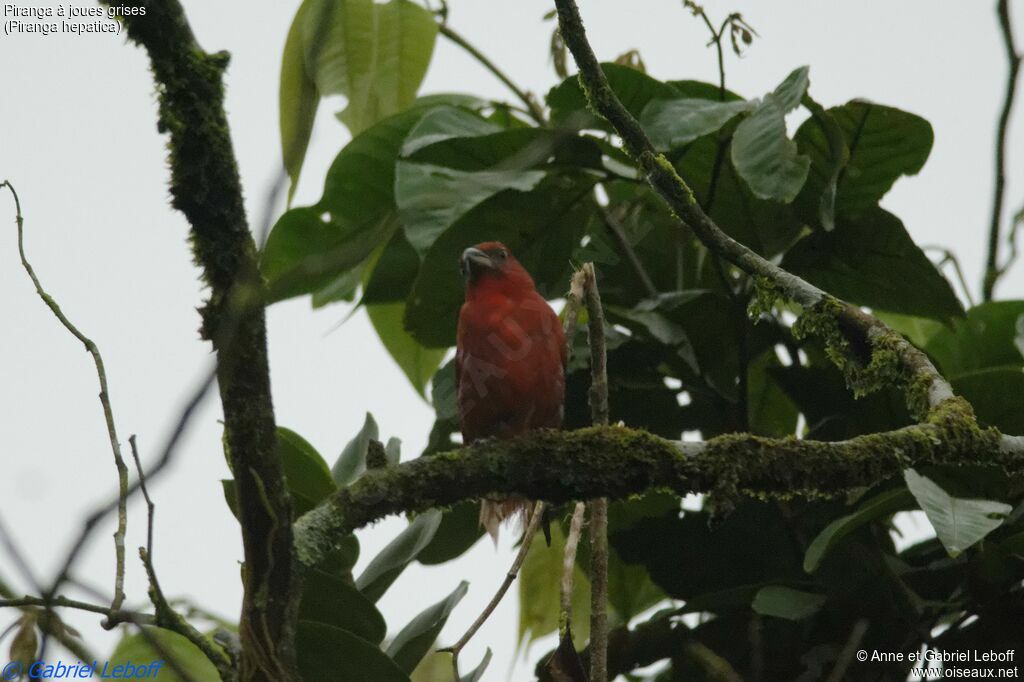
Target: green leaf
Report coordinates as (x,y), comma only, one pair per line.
(416,362)
(477,673)
(351,463)
(431,198)
(385,568)
(374,54)
(834,165)
(785,602)
(136,649)
(316,248)
(330,653)
(539,580)
(987,338)
(959,523)
(872,261)
(766,159)
(394,272)
(413,642)
(297,98)
(769,410)
(674,123)
(460,529)
(308,478)
(766,226)
(542,228)
(331,600)
(880,505)
(445,123)
(884,143)
(917,329)
(996,394)
(633,88)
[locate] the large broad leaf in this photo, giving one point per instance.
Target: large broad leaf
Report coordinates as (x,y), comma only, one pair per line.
(752,545)
(987,338)
(385,568)
(351,463)
(446,123)
(878,506)
(996,394)
(331,600)
(766,226)
(673,123)
(460,529)
(958,522)
(331,654)
(830,408)
(884,143)
(374,54)
(416,362)
(764,156)
(872,261)
(769,410)
(308,478)
(413,642)
(541,228)
(785,602)
(138,649)
(633,88)
(431,198)
(310,247)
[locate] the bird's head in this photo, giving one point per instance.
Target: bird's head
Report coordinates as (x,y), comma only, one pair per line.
(491,266)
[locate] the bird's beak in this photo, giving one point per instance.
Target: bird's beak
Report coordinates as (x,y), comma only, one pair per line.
(474,260)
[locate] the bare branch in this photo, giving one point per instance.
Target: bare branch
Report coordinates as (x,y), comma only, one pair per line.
(108,414)
(993,268)
(598,506)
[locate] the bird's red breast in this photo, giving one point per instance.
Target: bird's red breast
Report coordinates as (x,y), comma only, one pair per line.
(510,356)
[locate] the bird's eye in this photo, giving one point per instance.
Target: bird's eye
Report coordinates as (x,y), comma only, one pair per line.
(502,254)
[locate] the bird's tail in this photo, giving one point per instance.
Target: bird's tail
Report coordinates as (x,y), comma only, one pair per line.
(495,511)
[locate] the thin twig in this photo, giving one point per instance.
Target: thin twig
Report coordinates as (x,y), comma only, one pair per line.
(166,456)
(599,506)
(572,542)
(108,414)
(115,616)
(510,576)
(166,617)
(993,269)
(846,655)
(536,113)
(619,233)
(950,257)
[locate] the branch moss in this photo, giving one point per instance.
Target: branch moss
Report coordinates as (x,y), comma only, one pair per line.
(616,462)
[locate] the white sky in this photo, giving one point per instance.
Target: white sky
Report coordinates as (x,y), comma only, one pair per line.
(78,138)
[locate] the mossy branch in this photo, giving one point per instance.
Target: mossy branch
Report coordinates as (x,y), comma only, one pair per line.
(616,462)
(858,335)
(205,187)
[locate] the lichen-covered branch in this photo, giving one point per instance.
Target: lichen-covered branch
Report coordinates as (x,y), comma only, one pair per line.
(856,327)
(615,462)
(205,187)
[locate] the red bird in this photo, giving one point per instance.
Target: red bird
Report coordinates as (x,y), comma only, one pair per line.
(509,360)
